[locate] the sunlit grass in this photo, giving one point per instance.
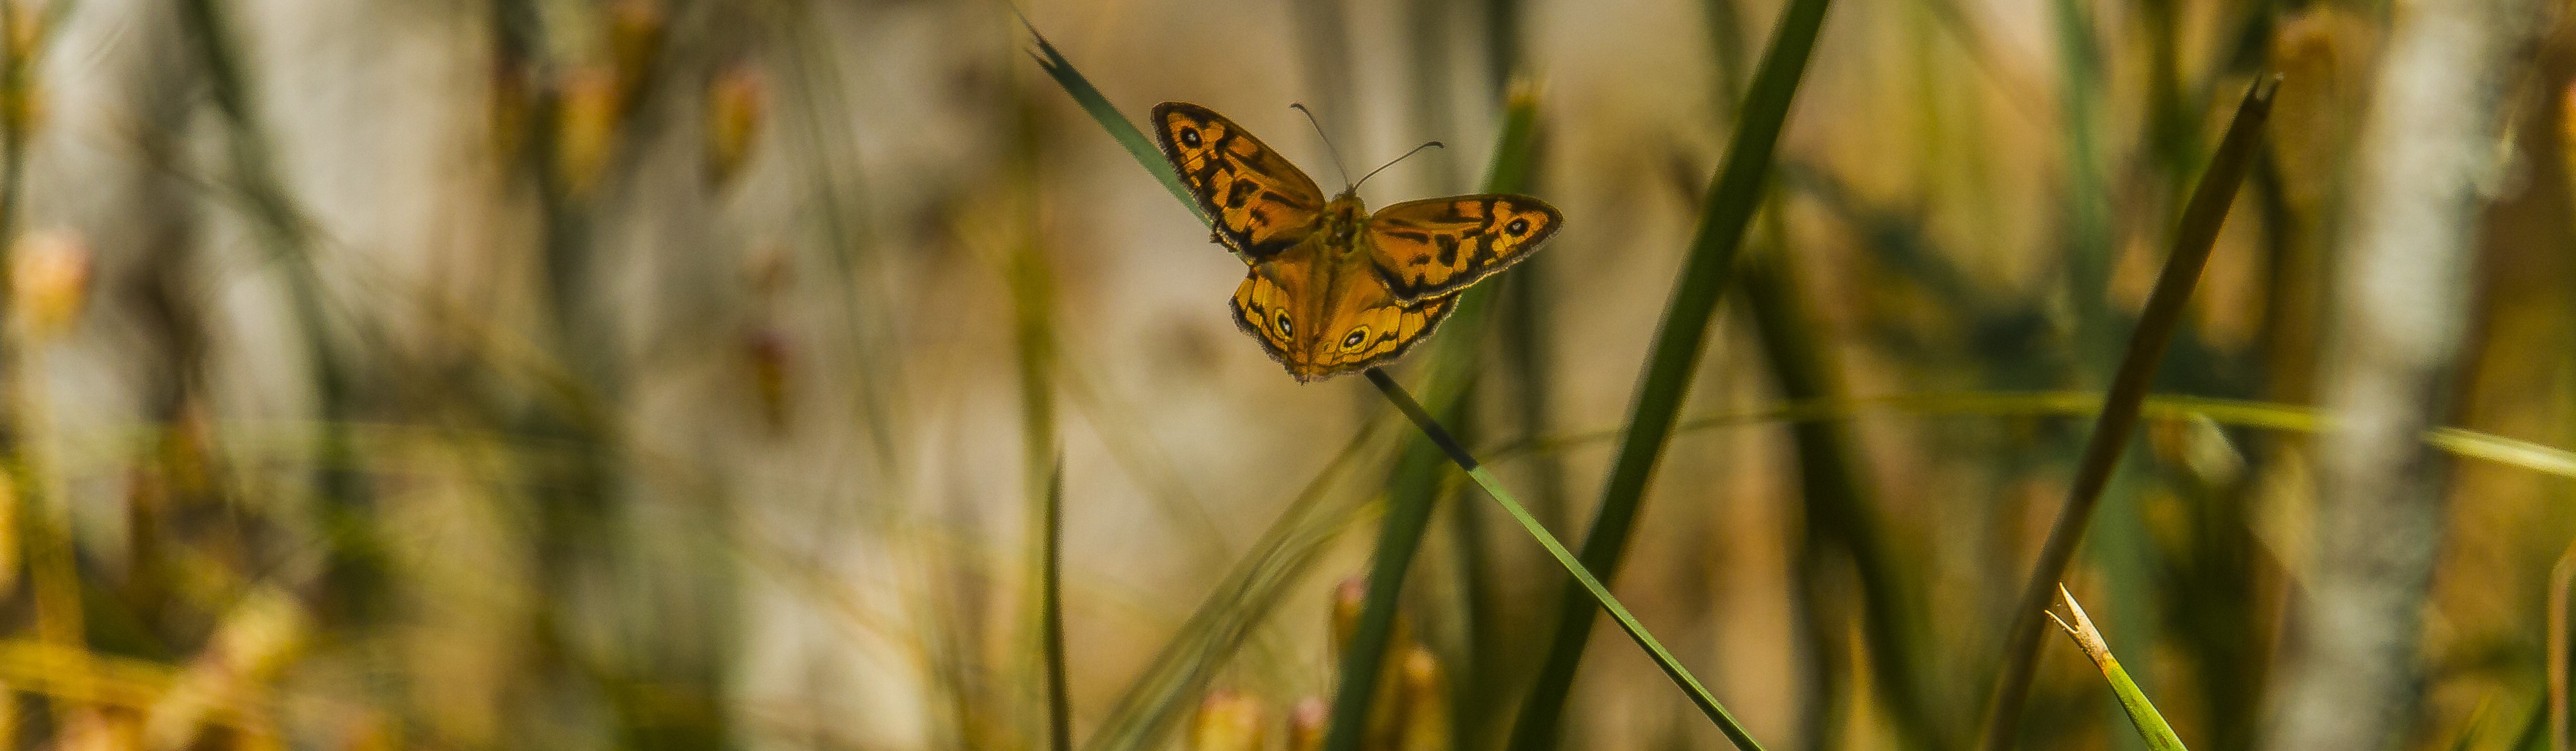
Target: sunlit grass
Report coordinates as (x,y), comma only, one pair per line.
(807,375)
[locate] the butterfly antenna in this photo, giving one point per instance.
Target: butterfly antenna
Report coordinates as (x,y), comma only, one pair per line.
(1382,167)
(1328,144)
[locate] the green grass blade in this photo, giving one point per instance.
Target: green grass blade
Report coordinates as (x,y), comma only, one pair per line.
(1521,303)
(1409,501)
(1416,483)
(2156,326)
(2557,643)
(1840,507)
(1592,586)
(2288,418)
(1106,114)
(2151,724)
(1032,288)
(1169,688)
(1051,615)
(1728,207)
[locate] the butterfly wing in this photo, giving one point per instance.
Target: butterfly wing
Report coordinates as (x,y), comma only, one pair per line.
(1431,248)
(1262,204)
(1357,324)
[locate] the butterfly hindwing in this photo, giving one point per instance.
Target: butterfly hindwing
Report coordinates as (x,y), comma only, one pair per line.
(1262,204)
(1435,247)
(1356,326)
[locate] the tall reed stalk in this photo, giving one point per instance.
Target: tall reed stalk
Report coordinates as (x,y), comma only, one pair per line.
(2197,234)
(1734,193)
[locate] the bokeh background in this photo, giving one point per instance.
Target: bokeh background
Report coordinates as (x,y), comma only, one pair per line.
(570,374)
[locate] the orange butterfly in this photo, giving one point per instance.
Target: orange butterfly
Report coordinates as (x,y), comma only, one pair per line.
(1334,289)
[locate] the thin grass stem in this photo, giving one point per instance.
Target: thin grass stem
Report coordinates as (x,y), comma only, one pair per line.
(1600,593)
(1051,615)
(1840,508)
(1727,209)
(1167,688)
(1399,538)
(2120,410)
(2562,589)
(1101,111)
(2511,452)
(1416,484)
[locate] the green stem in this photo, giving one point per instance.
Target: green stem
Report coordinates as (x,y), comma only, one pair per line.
(1733,195)
(1051,615)
(1399,538)
(1840,509)
(1415,484)
(2156,326)
(1672,667)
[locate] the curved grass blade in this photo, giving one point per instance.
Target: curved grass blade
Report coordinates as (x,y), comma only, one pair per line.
(2151,724)
(2512,452)
(2156,326)
(1727,209)
(1106,114)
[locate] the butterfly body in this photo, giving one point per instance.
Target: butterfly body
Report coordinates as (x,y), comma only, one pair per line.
(1334,288)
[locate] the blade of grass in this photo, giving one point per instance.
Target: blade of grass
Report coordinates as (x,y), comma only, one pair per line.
(831,176)
(1409,501)
(26,510)
(1840,506)
(1031,283)
(1495,665)
(1592,586)
(2151,724)
(1106,114)
(2087,246)
(2545,459)
(357,568)
(1169,687)
(1416,484)
(2198,233)
(2562,584)
(2535,733)
(1734,192)
(1051,615)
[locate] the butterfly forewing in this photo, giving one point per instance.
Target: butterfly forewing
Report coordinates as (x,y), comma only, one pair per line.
(1262,205)
(1435,247)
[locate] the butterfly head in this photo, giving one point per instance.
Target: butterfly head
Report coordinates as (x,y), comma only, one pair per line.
(1340,224)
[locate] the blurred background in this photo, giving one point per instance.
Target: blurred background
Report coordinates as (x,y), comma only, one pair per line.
(570,374)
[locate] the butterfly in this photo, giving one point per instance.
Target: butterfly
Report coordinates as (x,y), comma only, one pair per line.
(1332,288)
